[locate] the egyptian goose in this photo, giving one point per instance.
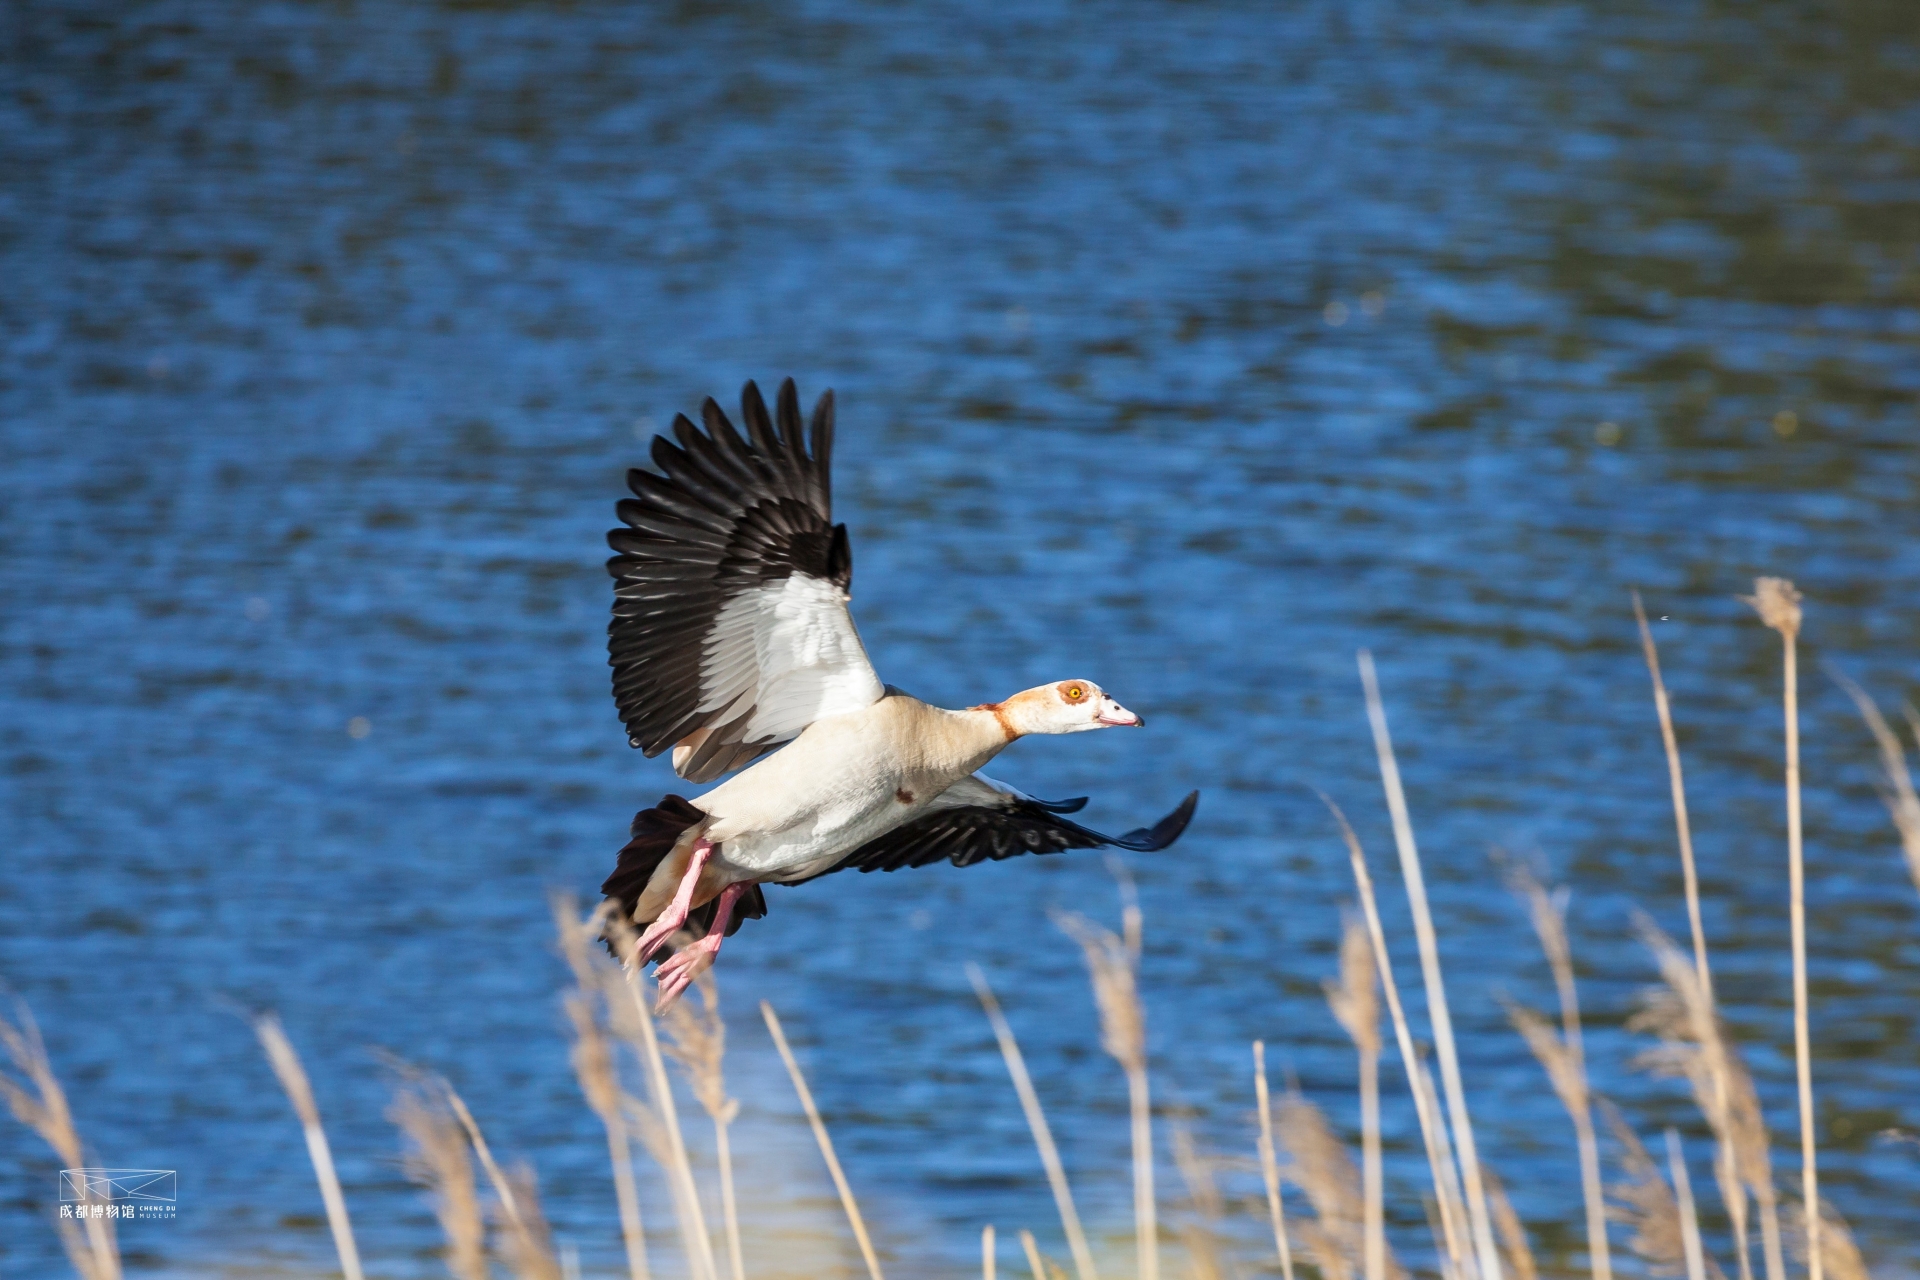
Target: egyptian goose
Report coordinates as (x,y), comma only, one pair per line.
(730,638)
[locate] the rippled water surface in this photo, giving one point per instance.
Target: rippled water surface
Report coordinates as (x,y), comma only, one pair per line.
(1189,349)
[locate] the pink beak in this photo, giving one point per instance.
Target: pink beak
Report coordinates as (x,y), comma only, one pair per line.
(1112,713)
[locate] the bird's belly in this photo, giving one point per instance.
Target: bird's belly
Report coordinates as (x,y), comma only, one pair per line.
(815,844)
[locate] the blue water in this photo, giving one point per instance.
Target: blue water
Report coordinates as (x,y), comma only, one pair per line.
(1189,350)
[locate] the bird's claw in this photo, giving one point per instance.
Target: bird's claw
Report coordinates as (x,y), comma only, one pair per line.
(657,933)
(677,971)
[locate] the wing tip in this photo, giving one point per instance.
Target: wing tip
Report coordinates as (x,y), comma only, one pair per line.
(1164,832)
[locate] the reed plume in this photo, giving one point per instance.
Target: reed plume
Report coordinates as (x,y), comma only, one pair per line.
(1269,1165)
(526,1244)
(1036,1122)
(1320,1166)
(1449,1200)
(1778,605)
(594,1067)
(1113,961)
(293,1079)
(1646,1204)
(1468,1154)
(1841,1256)
(1563,1055)
(1896,782)
(439,1160)
(1694,1046)
(1355,1002)
(1202,1233)
(698,1042)
(41,1105)
(826,1143)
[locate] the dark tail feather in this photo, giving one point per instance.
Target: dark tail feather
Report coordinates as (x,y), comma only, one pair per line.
(654,833)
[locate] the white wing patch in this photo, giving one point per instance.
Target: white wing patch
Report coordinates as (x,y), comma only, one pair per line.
(786,652)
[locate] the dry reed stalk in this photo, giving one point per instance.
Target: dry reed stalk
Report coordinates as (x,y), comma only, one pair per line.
(1113,963)
(1323,1250)
(593,1064)
(94,1252)
(1441,1248)
(1462,1256)
(1202,1235)
(1896,782)
(1689,1219)
(1355,1002)
(1841,1255)
(1646,1204)
(1037,1122)
(1694,1045)
(1446,1185)
(826,1143)
(1564,1056)
(1513,1234)
(528,1250)
(1269,1166)
(1778,605)
(986,1252)
(440,1163)
(658,1123)
(1476,1195)
(293,1079)
(1677,781)
(1032,1250)
(698,1042)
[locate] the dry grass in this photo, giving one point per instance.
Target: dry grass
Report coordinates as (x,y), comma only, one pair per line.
(698,1042)
(1515,1250)
(1113,962)
(826,1143)
(1202,1232)
(1696,1257)
(1647,1205)
(1778,605)
(1475,1229)
(440,1160)
(1037,1123)
(1840,1256)
(1694,1046)
(1269,1164)
(1564,1055)
(1478,1215)
(1896,781)
(293,1079)
(41,1105)
(1355,1002)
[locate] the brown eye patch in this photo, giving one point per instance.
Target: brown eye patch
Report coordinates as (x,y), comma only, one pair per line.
(1073,692)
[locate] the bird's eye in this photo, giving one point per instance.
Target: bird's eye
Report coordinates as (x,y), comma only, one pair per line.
(1075,693)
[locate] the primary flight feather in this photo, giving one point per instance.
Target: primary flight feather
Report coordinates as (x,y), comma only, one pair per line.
(731,638)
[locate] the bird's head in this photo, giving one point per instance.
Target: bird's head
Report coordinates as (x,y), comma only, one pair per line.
(1066,706)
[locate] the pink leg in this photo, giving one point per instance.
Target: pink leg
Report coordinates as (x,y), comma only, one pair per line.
(676,913)
(679,970)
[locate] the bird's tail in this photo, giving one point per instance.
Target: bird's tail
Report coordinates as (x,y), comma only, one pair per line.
(654,833)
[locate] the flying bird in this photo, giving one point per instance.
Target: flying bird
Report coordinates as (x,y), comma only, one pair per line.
(732,646)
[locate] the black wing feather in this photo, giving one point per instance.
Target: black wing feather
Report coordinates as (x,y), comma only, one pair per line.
(970,834)
(728,512)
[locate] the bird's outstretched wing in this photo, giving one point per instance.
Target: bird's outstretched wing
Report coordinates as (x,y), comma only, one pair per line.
(980,820)
(730,629)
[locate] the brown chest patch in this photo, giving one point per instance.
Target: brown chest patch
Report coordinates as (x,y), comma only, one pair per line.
(903,795)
